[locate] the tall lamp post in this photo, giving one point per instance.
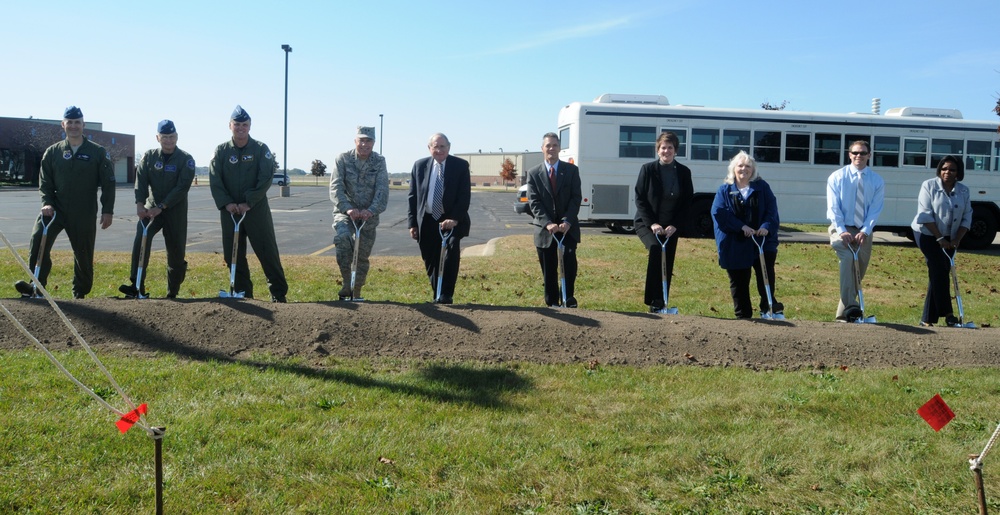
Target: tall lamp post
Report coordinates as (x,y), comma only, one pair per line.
(380,134)
(287,49)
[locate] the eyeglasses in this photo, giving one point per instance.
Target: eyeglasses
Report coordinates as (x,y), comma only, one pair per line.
(859,153)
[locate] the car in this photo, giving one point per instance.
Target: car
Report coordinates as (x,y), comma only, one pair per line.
(521,206)
(280,179)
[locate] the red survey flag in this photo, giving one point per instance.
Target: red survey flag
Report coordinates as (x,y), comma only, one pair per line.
(129,419)
(936,412)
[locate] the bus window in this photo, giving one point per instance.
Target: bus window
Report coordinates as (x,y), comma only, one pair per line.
(885,152)
(914,152)
(767,146)
(827,150)
(978,155)
(681,140)
(796,147)
(733,141)
(941,147)
(636,141)
(996,157)
(564,138)
(705,144)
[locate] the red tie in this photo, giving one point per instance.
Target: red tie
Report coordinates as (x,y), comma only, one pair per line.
(552,178)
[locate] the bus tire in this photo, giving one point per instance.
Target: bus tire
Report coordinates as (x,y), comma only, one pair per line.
(983,230)
(621,227)
(701,216)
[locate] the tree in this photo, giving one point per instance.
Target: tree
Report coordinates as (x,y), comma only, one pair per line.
(508,172)
(318,168)
(997,111)
(780,107)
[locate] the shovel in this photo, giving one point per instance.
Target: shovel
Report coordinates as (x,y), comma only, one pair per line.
(770,315)
(560,251)
(958,294)
(142,257)
(232,293)
(663,271)
(857,283)
(354,263)
(41,250)
(445,236)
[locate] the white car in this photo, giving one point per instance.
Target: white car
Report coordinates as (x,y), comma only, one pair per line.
(279,179)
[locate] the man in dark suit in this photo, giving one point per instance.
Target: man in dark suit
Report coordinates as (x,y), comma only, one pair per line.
(554,198)
(440,191)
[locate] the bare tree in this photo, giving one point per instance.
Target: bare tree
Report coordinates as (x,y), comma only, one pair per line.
(508,172)
(770,107)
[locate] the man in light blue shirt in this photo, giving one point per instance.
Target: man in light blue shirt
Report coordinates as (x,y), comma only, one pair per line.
(854,198)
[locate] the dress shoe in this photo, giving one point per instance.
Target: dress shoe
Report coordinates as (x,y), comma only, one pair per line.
(951,321)
(443,300)
(571,302)
(280,299)
(130,291)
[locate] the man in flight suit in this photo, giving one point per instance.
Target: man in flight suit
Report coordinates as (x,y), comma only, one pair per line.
(162,180)
(71,172)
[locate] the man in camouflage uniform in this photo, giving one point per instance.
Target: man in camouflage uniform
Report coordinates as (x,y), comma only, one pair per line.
(71,172)
(162,180)
(359,189)
(240,174)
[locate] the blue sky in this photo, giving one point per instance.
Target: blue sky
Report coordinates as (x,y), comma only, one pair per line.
(489,75)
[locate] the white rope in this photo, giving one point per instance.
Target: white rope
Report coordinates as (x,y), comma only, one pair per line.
(977,462)
(142,421)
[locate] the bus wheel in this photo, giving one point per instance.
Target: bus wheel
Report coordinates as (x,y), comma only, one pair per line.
(983,230)
(702,214)
(621,227)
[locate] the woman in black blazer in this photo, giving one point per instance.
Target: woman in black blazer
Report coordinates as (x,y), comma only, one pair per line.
(663,195)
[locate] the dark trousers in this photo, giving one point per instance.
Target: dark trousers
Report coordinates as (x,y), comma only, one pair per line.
(429,241)
(739,287)
(654,276)
(258,227)
(769,258)
(548,258)
(173,223)
(937,302)
(82,234)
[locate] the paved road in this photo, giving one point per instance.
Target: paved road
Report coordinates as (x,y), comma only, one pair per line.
(302,222)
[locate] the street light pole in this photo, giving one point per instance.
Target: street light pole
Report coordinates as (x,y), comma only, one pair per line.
(287,50)
(380,134)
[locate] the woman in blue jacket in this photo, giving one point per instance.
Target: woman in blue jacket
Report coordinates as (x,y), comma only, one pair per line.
(745,206)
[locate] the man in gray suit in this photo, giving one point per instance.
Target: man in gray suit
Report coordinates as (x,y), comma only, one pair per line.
(554,198)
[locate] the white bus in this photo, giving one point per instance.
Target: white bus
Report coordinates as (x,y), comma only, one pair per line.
(610,138)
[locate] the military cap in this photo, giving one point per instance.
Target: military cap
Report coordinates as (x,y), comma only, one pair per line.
(166,127)
(240,115)
(365,132)
(72,113)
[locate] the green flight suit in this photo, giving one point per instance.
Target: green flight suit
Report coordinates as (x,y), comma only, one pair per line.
(243,175)
(68,182)
(163,180)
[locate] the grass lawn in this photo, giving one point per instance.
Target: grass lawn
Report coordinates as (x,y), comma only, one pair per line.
(394,436)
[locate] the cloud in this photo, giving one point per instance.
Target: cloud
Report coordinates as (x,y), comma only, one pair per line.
(563,34)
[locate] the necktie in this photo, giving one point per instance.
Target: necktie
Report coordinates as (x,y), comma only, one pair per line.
(859,204)
(552,178)
(437,206)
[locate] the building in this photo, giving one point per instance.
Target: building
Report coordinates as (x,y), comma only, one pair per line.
(24,140)
(485,167)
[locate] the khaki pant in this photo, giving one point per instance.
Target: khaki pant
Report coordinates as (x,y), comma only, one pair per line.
(848,285)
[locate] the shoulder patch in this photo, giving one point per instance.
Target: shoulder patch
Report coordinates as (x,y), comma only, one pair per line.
(190,164)
(267,155)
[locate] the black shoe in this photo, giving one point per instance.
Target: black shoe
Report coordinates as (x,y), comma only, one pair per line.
(655,309)
(571,302)
(926,324)
(129,291)
(443,300)
(25,288)
(78,295)
(278,299)
(171,295)
(951,321)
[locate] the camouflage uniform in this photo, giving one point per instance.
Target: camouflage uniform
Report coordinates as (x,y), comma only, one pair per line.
(68,182)
(243,175)
(357,184)
(163,180)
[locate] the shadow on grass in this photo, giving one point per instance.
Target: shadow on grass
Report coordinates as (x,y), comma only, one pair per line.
(462,385)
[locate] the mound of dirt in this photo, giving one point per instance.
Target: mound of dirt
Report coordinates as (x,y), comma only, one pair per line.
(235,330)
